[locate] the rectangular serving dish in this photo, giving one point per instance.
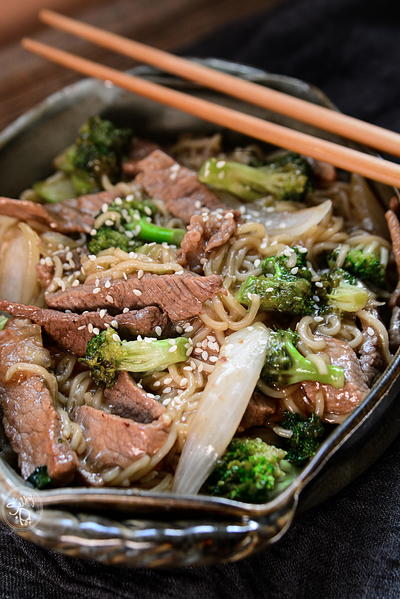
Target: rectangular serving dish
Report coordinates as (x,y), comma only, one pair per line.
(143,529)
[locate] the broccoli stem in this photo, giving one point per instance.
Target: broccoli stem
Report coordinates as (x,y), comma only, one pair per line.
(147,231)
(3,321)
(305,370)
(152,354)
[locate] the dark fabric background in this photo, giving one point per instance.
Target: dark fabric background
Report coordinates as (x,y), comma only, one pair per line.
(348,547)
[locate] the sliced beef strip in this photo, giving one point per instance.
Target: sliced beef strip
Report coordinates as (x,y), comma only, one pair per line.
(345,400)
(177,186)
(115,441)
(128,400)
(394,329)
(370,355)
(258,411)
(70,330)
(70,216)
(205,233)
(45,274)
(30,419)
(394,230)
(180,296)
(140,148)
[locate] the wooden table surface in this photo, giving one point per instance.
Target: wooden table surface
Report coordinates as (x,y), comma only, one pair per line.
(26,79)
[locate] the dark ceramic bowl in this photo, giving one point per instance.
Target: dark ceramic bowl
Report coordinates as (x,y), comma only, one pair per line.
(143,529)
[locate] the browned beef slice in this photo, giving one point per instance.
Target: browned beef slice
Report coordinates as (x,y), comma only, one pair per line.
(70,330)
(30,420)
(78,214)
(128,400)
(205,233)
(340,401)
(26,211)
(115,441)
(257,412)
(370,354)
(140,149)
(45,274)
(71,216)
(180,296)
(177,186)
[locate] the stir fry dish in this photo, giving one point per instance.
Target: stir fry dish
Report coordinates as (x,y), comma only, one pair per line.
(191,318)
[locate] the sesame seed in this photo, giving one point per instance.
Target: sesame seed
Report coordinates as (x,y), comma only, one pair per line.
(189,351)
(157,384)
(302,250)
(96,331)
(115,337)
(137,292)
(179,272)
(167,390)
(220,164)
(118,201)
(204,355)
(370,331)
(189,368)
(197,204)
(110,299)
(125,276)
(75,283)
(90,327)
(183,382)
(104,208)
(200,368)
(92,257)
(269,290)
(140,274)
(82,327)
(158,330)
(96,290)
(125,310)
(107,284)
(188,328)
(173,348)
(318,319)
(257,262)
(114,323)
(294,270)
(319,284)
(168,380)
(213,358)
(102,313)
(179,329)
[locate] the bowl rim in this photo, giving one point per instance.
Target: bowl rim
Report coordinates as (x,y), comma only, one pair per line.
(200,503)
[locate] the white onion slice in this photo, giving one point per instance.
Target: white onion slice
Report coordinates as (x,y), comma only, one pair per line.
(285,226)
(222,406)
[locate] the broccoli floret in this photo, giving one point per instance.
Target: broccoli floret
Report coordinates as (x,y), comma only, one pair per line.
(279,289)
(106,355)
(306,436)
(97,151)
(341,291)
(250,471)
(285,365)
(294,260)
(40,478)
(107,237)
(287,178)
(363,264)
(134,223)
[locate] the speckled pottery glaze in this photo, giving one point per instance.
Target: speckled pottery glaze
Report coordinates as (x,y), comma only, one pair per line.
(144,529)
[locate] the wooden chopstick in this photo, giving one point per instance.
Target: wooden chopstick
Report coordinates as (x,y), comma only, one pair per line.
(320,149)
(307,112)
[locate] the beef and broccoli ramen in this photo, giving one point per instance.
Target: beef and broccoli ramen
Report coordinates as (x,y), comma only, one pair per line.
(189,318)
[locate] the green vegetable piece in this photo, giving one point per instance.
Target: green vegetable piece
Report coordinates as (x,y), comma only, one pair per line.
(306,436)
(135,224)
(250,471)
(3,321)
(341,291)
(362,263)
(288,178)
(56,188)
(40,478)
(285,365)
(106,355)
(106,237)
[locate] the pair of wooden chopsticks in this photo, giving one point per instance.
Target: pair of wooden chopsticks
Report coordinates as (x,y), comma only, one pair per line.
(307,112)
